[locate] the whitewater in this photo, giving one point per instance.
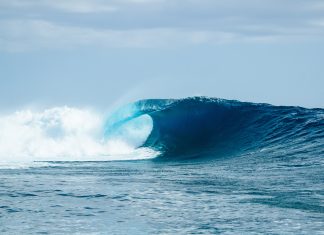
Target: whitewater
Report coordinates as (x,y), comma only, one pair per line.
(197,165)
(66,134)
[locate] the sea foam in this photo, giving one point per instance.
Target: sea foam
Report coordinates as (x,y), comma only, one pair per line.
(68,134)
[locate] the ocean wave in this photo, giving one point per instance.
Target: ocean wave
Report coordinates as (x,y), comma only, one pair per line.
(199,127)
(196,127)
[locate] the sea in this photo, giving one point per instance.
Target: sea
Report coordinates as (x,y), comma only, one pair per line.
(197,165)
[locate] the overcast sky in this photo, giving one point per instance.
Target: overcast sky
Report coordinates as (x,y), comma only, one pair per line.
(98,53)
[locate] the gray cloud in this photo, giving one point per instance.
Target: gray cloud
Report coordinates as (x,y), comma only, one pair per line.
(35,34)
(37,24)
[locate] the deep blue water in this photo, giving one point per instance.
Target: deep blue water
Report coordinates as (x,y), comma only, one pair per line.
(225,167)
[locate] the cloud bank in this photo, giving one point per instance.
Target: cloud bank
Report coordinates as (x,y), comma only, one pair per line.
(34,24)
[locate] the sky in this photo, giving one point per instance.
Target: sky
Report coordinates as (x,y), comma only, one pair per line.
(101,53)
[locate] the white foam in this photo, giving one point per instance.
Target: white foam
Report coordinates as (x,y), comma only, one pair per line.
(69,134)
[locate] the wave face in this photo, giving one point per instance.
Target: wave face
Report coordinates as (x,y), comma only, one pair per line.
(207,127)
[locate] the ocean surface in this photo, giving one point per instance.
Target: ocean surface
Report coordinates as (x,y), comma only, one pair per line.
(191,166)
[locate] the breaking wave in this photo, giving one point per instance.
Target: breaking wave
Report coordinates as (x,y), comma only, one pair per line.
(200,127)
(196,127)
(66,134)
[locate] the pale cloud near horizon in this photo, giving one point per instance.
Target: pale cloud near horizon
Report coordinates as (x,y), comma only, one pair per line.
(34,24)
(43,34)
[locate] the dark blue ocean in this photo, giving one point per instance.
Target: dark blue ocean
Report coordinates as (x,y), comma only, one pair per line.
(198,166)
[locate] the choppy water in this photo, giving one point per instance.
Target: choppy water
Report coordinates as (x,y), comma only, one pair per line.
(242,195)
